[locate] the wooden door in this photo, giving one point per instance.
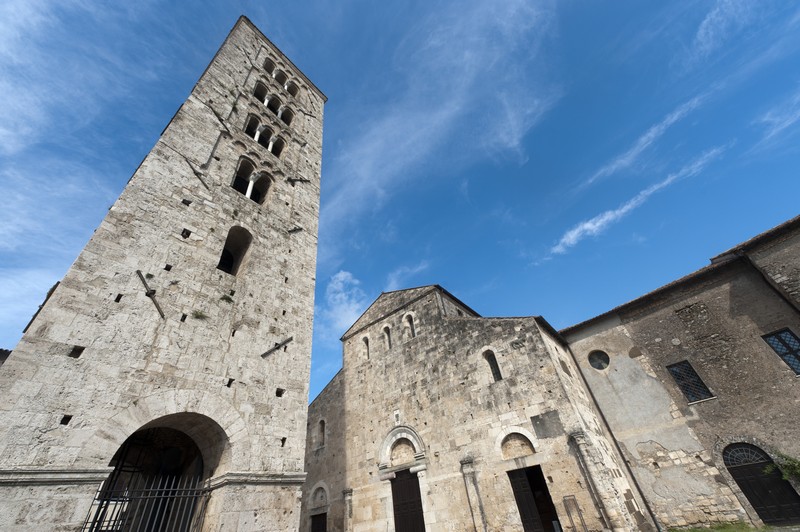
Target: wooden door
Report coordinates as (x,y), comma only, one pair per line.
(407,503)
(319,523)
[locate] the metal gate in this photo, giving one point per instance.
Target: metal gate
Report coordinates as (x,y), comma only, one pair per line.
(163,504)
(774,499)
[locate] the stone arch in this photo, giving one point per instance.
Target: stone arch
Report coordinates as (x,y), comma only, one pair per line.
(515,445)
(214,424)
(319,495)
(485,372)
(401,432)
(411,324)
(505,451)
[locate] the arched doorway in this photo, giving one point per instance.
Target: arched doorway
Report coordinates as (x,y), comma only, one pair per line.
(774,499)
(157,485)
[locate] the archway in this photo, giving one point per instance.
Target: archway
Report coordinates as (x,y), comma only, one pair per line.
(774,499)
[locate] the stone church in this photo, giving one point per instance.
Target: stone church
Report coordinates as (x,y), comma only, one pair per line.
(163,383)
(667,411)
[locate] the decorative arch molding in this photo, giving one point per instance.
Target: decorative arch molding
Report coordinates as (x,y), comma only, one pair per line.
(507,431)
(401,432)
(212,418)
(315,505)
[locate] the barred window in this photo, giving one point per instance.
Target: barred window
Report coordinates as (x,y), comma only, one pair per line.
(689,382)
(787,346)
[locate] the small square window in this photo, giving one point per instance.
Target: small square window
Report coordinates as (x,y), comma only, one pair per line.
(168,267)
(787,346)
(76,351)
(690,383)
(186,233)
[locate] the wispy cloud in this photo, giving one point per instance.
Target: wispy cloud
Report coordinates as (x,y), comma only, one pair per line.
(596,225)
(780,118)
(628,158)
(398,277)
(725,19)
(344,302)
(485,90)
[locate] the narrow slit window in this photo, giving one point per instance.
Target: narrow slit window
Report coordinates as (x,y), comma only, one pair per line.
(235,249)
(493,366)
(690,383)
(787,346)
(387,335)
(366,347)
(411,328)
(321,432)
(118,298)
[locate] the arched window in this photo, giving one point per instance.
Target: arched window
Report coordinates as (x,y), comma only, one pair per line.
(235,249)
(260,92)
(274,105)
(287,116)
(258,193)
(292,89)
(492,361)
(264,136)
(280,77)
(269,66)
(366,346)
(387,336)
(321,432)
(410,323)
(241,180)
(251,126)
(277,147)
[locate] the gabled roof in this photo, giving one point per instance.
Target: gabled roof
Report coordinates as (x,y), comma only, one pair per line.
(390,302)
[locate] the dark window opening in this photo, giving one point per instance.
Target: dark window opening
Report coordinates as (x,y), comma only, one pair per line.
(283,441)
(76,351)
(280,77)
(599,360)
(260,92)
(387,334)
(292,88)
(787,346)
(230,383)
(251,127)
(118,298)
(366,347)
(492,361)
(168,267)
(277,147)
(279,392)
(66,419)
(274,105)
(690,383)
(235,249)
(269,66)
(321,433)
(411,329)
(186,233)
(319,522)
(183,317)
(241,180)
(233,333)
(260,189)
(287,116)
(186,202)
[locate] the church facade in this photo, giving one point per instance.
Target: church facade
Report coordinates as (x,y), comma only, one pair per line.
(668,411)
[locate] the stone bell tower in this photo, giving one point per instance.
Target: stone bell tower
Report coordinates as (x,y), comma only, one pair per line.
(171,363)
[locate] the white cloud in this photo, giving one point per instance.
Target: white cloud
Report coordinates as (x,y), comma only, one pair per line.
(725,19)
(481,96)
(596,225)
(779,118)
(627,159)
(398,277)
(344,302)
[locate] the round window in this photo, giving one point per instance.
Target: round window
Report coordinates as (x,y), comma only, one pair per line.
(598,360)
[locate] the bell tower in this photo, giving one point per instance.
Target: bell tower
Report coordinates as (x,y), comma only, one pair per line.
(172,361)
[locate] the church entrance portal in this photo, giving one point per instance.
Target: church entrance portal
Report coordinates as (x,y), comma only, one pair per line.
(407,502)
(774,499)
(156,485)
(533,500)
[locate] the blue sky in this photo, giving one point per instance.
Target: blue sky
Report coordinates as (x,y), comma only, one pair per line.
(553,158)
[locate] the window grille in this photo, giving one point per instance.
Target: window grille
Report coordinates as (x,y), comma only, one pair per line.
(787,346)
(690,383)
(739,454)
